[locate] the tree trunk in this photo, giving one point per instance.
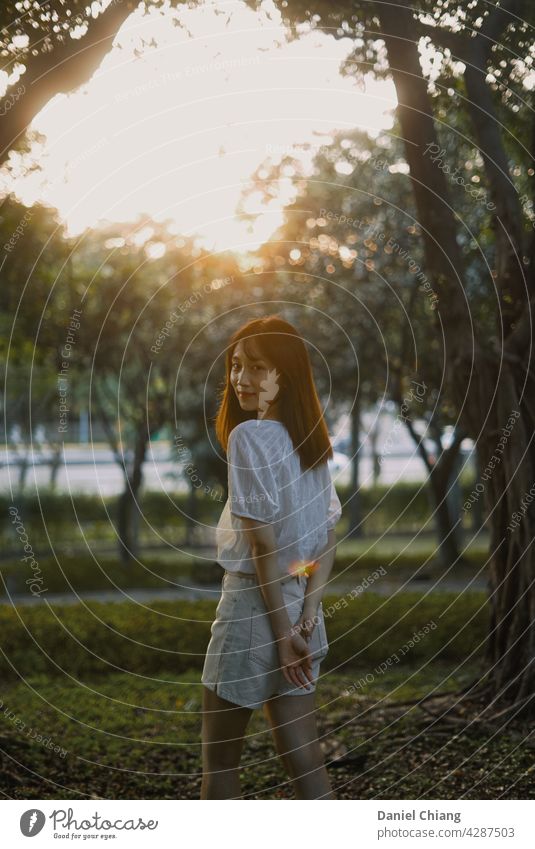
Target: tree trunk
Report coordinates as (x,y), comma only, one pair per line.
(507,222)
(128,505)
(447,520)
(24,465)
(510,501)
(55,464)
(374,453)
(191,518)
(488,388)
(476,510)
(444,262)
(441,478)
(355,515)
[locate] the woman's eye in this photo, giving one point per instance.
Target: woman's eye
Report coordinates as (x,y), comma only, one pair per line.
(236,365)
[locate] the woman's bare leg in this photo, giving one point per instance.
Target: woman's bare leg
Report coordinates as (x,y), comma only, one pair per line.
(293,725)
(223,728)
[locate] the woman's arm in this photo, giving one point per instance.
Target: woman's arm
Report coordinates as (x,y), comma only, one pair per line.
(263,545)
(318,579)
(294,654)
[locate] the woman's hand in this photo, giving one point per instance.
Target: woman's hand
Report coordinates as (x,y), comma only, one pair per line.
(306,623)
(295,660)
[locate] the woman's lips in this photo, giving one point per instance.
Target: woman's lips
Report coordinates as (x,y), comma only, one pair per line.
(245,394)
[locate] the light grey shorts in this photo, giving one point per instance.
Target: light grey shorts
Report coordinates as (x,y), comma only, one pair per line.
(242,661)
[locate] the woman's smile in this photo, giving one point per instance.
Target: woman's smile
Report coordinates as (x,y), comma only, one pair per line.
(254,379)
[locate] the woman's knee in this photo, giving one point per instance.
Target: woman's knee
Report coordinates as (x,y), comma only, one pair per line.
(218,756)
(303,760)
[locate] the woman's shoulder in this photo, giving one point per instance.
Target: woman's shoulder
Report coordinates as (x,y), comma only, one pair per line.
(257,427)
(260,435)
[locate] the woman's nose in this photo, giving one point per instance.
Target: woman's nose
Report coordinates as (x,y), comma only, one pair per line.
(243,378)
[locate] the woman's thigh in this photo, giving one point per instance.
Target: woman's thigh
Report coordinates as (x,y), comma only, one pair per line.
(223,728)
(293,724)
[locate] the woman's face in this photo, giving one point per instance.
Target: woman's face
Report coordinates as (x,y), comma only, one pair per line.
(248,375)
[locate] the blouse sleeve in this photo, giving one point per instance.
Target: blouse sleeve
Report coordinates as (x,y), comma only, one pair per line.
(252,484)
(334,512)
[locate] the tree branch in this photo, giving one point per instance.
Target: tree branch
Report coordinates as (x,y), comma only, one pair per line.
(71,63)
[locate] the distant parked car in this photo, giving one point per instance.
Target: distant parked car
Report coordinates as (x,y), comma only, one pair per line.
(340,467)
(343,445)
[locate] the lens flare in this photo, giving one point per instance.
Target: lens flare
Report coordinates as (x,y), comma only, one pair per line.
(303,567)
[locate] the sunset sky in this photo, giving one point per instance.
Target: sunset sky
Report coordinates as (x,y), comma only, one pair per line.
(176,130)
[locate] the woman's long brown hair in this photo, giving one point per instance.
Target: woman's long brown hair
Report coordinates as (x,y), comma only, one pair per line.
(300,408)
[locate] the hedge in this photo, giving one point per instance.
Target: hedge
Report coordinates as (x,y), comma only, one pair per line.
(94,639)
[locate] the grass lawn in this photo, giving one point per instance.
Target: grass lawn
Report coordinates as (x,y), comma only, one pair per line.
(127,736)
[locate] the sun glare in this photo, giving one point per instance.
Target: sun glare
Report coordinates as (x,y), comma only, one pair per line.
(175,129)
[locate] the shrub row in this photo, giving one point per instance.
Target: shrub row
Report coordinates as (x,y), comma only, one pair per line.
(79,574)
(383,505)
(93,639)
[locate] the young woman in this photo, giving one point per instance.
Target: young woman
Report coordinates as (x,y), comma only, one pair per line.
(276,542)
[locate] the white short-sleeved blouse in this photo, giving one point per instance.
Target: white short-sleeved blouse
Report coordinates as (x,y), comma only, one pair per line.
(266,483)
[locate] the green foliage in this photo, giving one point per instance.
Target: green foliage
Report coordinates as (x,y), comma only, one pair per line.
(72,574)
(383,504)
(96,639)
(60,508)
(76,573)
